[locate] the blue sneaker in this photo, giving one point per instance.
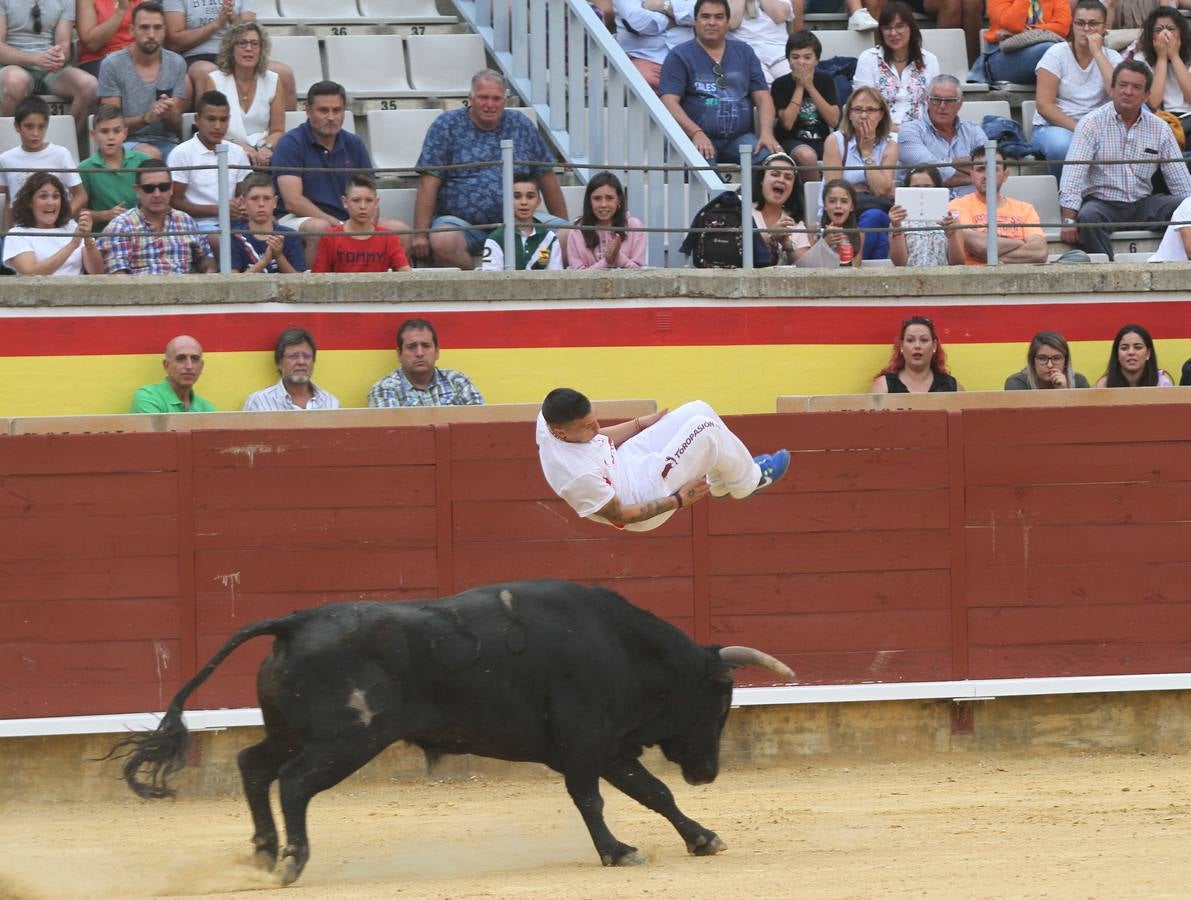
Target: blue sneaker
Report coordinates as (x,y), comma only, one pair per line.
(773,466)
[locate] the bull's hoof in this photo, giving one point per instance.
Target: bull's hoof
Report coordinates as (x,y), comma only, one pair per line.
(288,870)
(625,856)
(265,859)
(706,845)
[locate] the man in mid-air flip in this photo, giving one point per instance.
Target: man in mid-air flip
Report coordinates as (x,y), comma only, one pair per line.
(635,475)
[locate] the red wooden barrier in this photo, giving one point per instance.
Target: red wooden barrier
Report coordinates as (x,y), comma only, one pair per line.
(906,546)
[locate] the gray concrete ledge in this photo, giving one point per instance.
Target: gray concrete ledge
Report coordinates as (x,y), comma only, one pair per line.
(431,286)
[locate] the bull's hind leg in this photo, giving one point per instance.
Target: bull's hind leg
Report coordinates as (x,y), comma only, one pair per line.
(259,765)
(633,779)
(316,767)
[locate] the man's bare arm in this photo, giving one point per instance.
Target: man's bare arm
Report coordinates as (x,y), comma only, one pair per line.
(628,514)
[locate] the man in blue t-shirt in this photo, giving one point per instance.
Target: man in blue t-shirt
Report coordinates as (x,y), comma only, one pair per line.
(711,84)
(312,201)
(467,197)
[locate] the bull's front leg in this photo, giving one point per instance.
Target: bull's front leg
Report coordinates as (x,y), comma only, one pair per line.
(629,776)
(585,791)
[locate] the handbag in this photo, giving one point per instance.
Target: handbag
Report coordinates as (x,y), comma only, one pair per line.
(1028,38)
(866,201)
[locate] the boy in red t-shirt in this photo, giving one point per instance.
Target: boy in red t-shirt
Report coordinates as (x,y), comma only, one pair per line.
(358,245)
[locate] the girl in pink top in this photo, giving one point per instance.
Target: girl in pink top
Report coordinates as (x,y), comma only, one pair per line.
(609,245)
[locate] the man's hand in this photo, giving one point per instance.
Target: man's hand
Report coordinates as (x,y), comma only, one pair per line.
(770,143)
(419,246)
(703,144)
(693,491)
(52,59)
(1069,234)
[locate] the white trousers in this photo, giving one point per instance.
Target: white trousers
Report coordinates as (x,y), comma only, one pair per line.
(688,443)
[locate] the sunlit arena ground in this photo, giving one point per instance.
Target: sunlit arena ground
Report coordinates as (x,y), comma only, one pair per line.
(946,825)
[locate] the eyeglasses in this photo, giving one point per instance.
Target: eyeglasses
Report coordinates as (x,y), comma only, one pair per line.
(1158,29)
(1049,361)
(895,27)
(865,110)
(943,101)
(248,44)
(1087,24)
(150,188)
(718,71)
(36,11)
(299,356)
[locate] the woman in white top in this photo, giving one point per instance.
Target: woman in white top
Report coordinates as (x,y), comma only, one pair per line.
(1073,79)
(1165,46)
(257,106)
(44,239)
(898,67)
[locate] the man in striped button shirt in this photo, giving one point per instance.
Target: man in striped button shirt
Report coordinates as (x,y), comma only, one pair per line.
(1112,195)
(294,355)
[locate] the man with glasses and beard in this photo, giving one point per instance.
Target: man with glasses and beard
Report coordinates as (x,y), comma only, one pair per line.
(294,356)
(35,52)
(711,86)
(941,135)
(154,239)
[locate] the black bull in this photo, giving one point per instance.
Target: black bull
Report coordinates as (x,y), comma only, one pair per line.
(571,676)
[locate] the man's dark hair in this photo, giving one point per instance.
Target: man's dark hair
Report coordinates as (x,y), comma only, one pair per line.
(149,6)
(701,3)
(414,325)
(527,178)
(325,89)
(105,112)
(803,40)
(31,106)
(1134,65)
(291,337)
(210,98)
(151,165)
(359,179)
(564,405)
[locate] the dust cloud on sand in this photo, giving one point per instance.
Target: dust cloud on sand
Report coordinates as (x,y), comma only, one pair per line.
(1063,825)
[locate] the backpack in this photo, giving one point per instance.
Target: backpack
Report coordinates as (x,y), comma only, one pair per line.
(724,249)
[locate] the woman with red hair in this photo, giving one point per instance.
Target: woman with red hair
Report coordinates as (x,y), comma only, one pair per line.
(918,364)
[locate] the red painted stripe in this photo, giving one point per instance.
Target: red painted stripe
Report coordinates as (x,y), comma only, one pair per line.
(87,335)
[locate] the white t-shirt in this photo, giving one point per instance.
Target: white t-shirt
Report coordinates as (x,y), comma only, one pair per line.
(587,476)
(44,243)
(202,185)
(51,156)
(1173,100)
(1171,248)
(761,29)
(1080,90)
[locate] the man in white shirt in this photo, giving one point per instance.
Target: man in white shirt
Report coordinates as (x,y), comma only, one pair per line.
(196,191)
(624,475)
(294,356)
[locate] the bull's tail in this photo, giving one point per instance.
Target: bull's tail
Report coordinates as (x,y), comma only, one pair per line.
(152,758)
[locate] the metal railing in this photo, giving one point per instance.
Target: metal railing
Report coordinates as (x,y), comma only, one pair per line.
(596,107)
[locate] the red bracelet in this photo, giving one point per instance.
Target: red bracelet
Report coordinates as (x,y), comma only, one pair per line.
(677,495)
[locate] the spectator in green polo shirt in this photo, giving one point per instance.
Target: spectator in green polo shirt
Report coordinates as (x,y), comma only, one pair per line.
(183,365)
(110,192)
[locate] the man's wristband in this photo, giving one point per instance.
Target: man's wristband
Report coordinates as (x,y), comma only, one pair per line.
(1069,221)
(677,495)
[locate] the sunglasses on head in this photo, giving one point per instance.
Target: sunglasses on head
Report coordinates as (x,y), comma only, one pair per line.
(150,188)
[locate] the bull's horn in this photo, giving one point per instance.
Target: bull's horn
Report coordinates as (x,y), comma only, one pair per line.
(747,656)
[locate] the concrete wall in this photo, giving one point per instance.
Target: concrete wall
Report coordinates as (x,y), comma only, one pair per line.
(65,768)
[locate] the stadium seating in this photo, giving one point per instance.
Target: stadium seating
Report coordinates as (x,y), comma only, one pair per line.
(1042,192)
(976,110)
(948,44)
(326,10)
(844,43)
(1028,108)
(395,135)
(61,131)
(368,66)
(404,11)
(301,53)
(443,64)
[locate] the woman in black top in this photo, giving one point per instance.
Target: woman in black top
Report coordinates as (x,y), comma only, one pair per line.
(918,364)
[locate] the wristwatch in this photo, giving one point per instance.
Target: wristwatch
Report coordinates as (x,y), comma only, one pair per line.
(1069,222)
(668,8)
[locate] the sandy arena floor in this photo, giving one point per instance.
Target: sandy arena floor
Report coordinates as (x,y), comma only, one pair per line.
(945,826)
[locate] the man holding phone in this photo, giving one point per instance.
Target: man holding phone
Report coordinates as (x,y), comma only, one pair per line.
(148,83)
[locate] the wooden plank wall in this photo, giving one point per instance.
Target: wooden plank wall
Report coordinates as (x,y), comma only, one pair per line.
(910,545)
